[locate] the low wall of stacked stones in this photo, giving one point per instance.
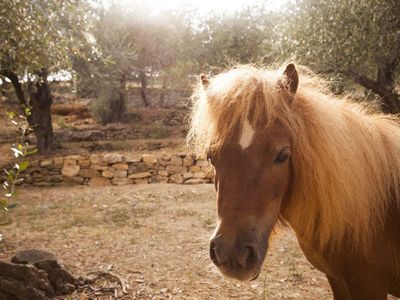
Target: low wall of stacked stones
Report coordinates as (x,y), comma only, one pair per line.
(118,169)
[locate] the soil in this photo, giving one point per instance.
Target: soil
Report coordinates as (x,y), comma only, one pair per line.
(155,237)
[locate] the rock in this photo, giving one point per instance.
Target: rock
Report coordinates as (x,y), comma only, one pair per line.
(99,181)
(165,157)
(140,175)
(176,169)
(188,161)
(176,160)
(176,178)
(141,181)
(202,163)
(181,154)
(121,181)
(34,163)
(21,282)
(196,181)
(58,161)
(84,163)
(74,180)
(163,173)
(129,158)
(120,173)
(70,170)
(61,280)
(95,158)
(98,167)
(199,175)
(188,175)
(89,173)
(195,169)
(46,162)
(74,157)
(32,256)
(159,179)
(109,173)
(112,158)
(149,158)
(139,167)
(120,166)
(54,178)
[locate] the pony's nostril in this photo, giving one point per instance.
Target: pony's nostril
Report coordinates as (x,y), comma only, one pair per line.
(213,254)
(249,258)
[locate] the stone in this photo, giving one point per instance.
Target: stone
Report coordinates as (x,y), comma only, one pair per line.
(99,181)
(188,175)
(46,162)
(199,175)
(141,181)
(99,167)
(70,162)
(120,173)
(60,279)
(165,157)
(140,175)
(75,157)
(176,178)
(58,161)
(121,181)
(181,154)
(54,178)
(84,163)
(163,173)
(133,158)
(120,166)
(74,180)
(176,160)
(196,181)
(202,163)
(70,170)
(89,173)
(188,161)
(112,158)
(195,169)
(95,158)
(159,179)
(163,162)
(176,169)
(139,167)
(149,158)
(109,173)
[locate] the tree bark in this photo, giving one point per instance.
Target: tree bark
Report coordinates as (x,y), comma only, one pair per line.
(143,88)
(384,86)
(118,108)
(40,101)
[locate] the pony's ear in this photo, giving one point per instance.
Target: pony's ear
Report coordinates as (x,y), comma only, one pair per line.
(290,80)
(204,80)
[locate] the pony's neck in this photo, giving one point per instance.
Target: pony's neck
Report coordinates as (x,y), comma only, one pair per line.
(342,167)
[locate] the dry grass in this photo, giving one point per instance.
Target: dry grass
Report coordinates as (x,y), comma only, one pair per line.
(155,237)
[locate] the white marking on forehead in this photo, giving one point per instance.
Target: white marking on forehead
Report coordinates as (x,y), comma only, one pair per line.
(247,134)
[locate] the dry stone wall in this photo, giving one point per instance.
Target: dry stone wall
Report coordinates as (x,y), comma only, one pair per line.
(118,169)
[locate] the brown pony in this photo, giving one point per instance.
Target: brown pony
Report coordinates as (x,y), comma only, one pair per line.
(284,148)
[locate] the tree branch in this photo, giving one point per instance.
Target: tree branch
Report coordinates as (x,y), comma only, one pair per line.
(373,85)
(17,85)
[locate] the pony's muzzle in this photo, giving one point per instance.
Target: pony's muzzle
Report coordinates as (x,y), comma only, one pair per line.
(240,261)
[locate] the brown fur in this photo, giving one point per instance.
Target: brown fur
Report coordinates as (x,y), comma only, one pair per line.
(342,196)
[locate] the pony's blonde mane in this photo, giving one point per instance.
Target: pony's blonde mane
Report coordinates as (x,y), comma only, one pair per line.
(345,156)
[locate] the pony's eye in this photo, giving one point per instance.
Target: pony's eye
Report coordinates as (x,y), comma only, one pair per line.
(282,156)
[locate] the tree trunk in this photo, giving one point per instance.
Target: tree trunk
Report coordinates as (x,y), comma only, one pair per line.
(118,108)
(143,88)
(40,101)
(384,86)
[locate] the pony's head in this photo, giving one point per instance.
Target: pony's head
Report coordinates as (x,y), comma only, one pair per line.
(242,122)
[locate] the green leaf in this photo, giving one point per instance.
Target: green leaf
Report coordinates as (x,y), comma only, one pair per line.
(24,165)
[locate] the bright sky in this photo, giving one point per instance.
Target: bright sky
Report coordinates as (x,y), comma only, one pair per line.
(207,6)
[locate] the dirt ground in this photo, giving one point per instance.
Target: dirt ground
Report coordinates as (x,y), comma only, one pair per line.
(155,237)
